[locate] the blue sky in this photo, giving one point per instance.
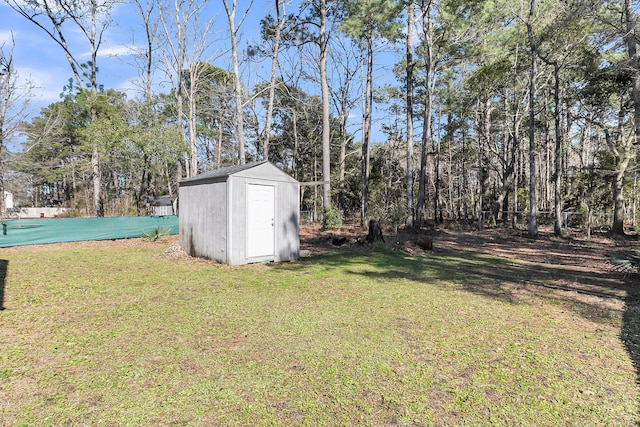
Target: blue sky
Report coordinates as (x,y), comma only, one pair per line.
(38,59)
(41,61)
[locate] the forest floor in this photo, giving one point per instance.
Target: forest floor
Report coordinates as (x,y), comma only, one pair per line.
(574,248)
(574,266)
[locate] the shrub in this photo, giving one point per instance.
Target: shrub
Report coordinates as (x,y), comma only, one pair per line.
(156,234)
(332,219)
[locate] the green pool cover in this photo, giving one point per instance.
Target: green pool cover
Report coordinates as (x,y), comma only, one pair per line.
(18,232)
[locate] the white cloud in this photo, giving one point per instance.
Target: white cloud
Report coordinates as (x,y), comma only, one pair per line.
(118,50)
(6,37)
(46,84)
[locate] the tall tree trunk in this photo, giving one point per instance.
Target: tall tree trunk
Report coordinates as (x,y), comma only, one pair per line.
(219,142)
(280,18)
(96,178)
(533,225)
(296,144)
(176,57)
(557,172)
(437,211)
(515,132)
(326,124)
(484,128)
(146,10)
(631,41)
(427,26)
(237,84)
(98,199)
(342,167)
(147,55)
(509,165)
(145,177)
(409,107)
(192,119)
(366,130)
(622,157)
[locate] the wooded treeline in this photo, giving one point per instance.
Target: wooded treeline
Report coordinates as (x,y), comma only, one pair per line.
(486,106)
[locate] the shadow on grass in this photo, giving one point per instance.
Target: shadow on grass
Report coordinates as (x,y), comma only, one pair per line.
(630,333)
(499,278)
(4,266)
(583,291)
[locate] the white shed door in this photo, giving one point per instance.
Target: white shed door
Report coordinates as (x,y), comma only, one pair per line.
(260,220)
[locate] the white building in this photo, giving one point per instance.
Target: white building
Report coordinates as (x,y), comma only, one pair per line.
(241,214)
(8,199)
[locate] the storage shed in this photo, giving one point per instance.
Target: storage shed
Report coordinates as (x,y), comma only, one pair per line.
(241,214)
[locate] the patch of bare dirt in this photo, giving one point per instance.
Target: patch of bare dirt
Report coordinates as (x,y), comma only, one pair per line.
(572,268)
(573,249)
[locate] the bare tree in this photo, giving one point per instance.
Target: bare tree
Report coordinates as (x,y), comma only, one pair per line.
(326,123)
(281,17)
(345,89)
(321,12)
(7,84)
(91,18)
(145,54)
(13,110)
(186,43)
(145,60)
(234,28)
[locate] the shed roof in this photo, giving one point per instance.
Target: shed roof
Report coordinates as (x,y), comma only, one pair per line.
(223,172)
(230,170)
(164,200)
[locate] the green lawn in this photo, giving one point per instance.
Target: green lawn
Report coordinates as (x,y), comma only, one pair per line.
(119,335)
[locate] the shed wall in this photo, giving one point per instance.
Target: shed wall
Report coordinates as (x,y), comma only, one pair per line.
(237,220)
(213,215)
(203,219)
(288,221)
(287,214)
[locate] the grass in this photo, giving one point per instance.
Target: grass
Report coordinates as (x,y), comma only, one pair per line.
(123,336)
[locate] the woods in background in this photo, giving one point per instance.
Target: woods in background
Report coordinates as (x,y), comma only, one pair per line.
(487,109)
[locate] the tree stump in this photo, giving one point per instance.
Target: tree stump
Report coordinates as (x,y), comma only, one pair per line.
(375,232)
(426,243)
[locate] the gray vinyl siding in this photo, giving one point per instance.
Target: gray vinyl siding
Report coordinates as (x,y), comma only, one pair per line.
(213,214)
(203,219)
(288,221)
